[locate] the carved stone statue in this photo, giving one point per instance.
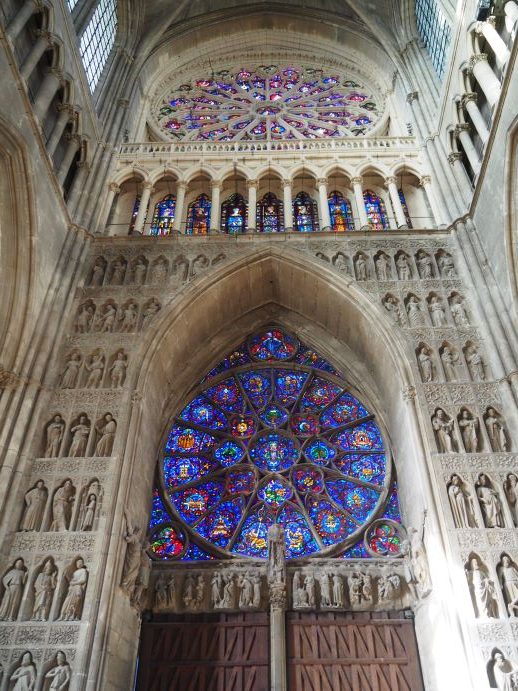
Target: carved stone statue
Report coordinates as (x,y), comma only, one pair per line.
(496,430)
(80,433)
(98,272)
(511,494)
(171,592)
(62,506)
(35,500)
(475,364)
(415,314)
(131,567)
(106,431)
(200,591)
(449,360)
(144,573)
(383,269)
(128,318)
(404,270)
(188,595)
(139,271)
(107,319)
(341,263)
(44,587)
(229,591)
(13,582)
(149,311)
(389,588)
(246,595)
(458,311)
(426,364)
(490,504)
(118,271)
(446,265)
(24,676)
(87,516)
(299,592)
(417,572)
(84,318)
(160,600)
(424,265)
(71,371)
(483,590)
(159,271)
(95,368)
(468,426)
(443,427)
(361,268)
(276,554)
(217,589)
(55,430)
(437,313)
(338,590)
(355,589)
(325,589)
(508,576)
(392,306)
(256,580)
(60,674)
(461,503)
(118,370)
(503,670)
(72,607)
(309,585)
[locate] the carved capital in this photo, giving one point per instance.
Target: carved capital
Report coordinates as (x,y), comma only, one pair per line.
(468,97)
(454,157)
(358,180)
(463,127)
(123,103)
(409,393)
(425,180)
(181,185)
(8,379)
(146,185)
(251,184)
(391,180)
(46,35)
(475,59)
(322,181)
(215,185)
(412,96)
(278,596)
(136,398)
(286,182)
(114,187)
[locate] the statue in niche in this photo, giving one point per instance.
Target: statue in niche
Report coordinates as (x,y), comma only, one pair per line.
(217,589)
(300,594)
(309,585)
(95,368)
(13,582)
(35,500)
(107,319)
(188,591)
(55,430)
(475,363)
(392,306)
(338,591)
(84,318)
(322,256)
(198,263)
(144,573)
(502,673)
(340,262)
(443,427)
(149,311)
(128,318)
(276,554)
(106,431)
(415,314)
(87,516)
(130,570)
(44,587)
(361,268)
(139,271)
(461,503)
(446,265)
(417,572)
(458,311)
(496,430)
(118,271)
(71,371)
(449,360)
(383,269)
(60,674)
(468,426)
(482,589)
(389,588)
(171,591)
(404,270)
(160,600)
(355,589)
(426,364)
(246,595)
(325,590)
(508,577)
(229,591)
(25,674)
(72,607)
(437,313)
(98,272)
(118,370)
(367,588)
(200,591)
(256,580)
(159,271)
(80,433)
(62,507)
(424,264)
(511,494)
(490,504)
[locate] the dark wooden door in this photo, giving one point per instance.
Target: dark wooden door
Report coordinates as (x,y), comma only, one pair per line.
(352,652)
(225,652)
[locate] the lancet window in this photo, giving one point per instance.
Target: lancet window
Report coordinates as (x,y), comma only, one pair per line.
(163,216)
(198,216)
(340,212)
(305,216)
(270,214)
(376,211)
(98,40)
(234,214)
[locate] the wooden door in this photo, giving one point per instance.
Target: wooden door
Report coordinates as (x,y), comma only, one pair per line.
(352,652)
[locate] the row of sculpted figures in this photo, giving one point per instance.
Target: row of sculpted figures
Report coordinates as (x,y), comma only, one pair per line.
(463,431)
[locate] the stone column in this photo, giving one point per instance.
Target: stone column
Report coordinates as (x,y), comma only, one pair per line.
(288,206)
(180,203)
(463,181)
(487,29)
(360,203)
(511,11)
(469,101)
(41,45)
(113,191)
(399,212)
(147,188)
(252,204)
(26,11)
(277,594)
(485,76)
(215,209)
(462,133)
(46,93)
(325,216)
(65,113)
(78,186)
(73,145)
(437,211)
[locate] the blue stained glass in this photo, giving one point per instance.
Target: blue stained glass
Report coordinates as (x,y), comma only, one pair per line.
(308,479)
(238,357)
(167,543)
(180,470)
(359,501)
(275,493)
(333,526)
(272,452)
(357,551)
(158,511)
(392,507)
(274,416)
(257,386)
(308,357)
(195,553)
(240,481)
(364,437)
(371,468)
(272,345)
(219,526)
(297,533)
(319,393)
(198,216)
(194,502)
(376,211)
(163,217)
(346,409)
(201,412)
(319,452)
(253,537)
(242,426)
(233,210)
(288,385)
(226,394)
(229,453)
(304,424)
(187,440)
(304,213)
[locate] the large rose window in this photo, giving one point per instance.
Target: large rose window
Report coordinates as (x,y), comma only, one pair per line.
(268,102)
(274,435)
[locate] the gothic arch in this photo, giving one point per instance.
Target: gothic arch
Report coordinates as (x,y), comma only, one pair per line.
(511,208)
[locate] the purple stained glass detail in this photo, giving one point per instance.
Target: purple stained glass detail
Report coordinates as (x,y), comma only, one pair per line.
(240,481)
(272,452)
(383,538)
(257,386)
(364,437)
(242,426)
(319,393)
(226,394)
(275,493)
(158,511)
(187,440)
(201,412)
(346,409)
(359,501)
(288,385)
(274,416)
(319,452)
(272,345)
(253,537)
(219,526)
(229,453)
(304,424)
(238,357)
(180,470)
(194,502)
(297,533)
(357,551)
(371,468)
(332,525)
(307,479)
(166,543)
(311,359)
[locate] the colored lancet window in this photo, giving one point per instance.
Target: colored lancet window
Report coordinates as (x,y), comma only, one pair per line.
(270,214)
(234,214)
(163,216)
(435,31)
(305,216)
(198,216)
(340,212)
(405,208)
(98,39)
(376,211)
(274,434)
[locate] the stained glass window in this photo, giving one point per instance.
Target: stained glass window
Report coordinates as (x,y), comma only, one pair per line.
(98,40)
(376,211)
(305,216)
(134,213)
(198,216)
(163,216)
(274,434)
(268,102)
(405,207)
(234,214)
(270,214)
(435,31)
(341,213)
